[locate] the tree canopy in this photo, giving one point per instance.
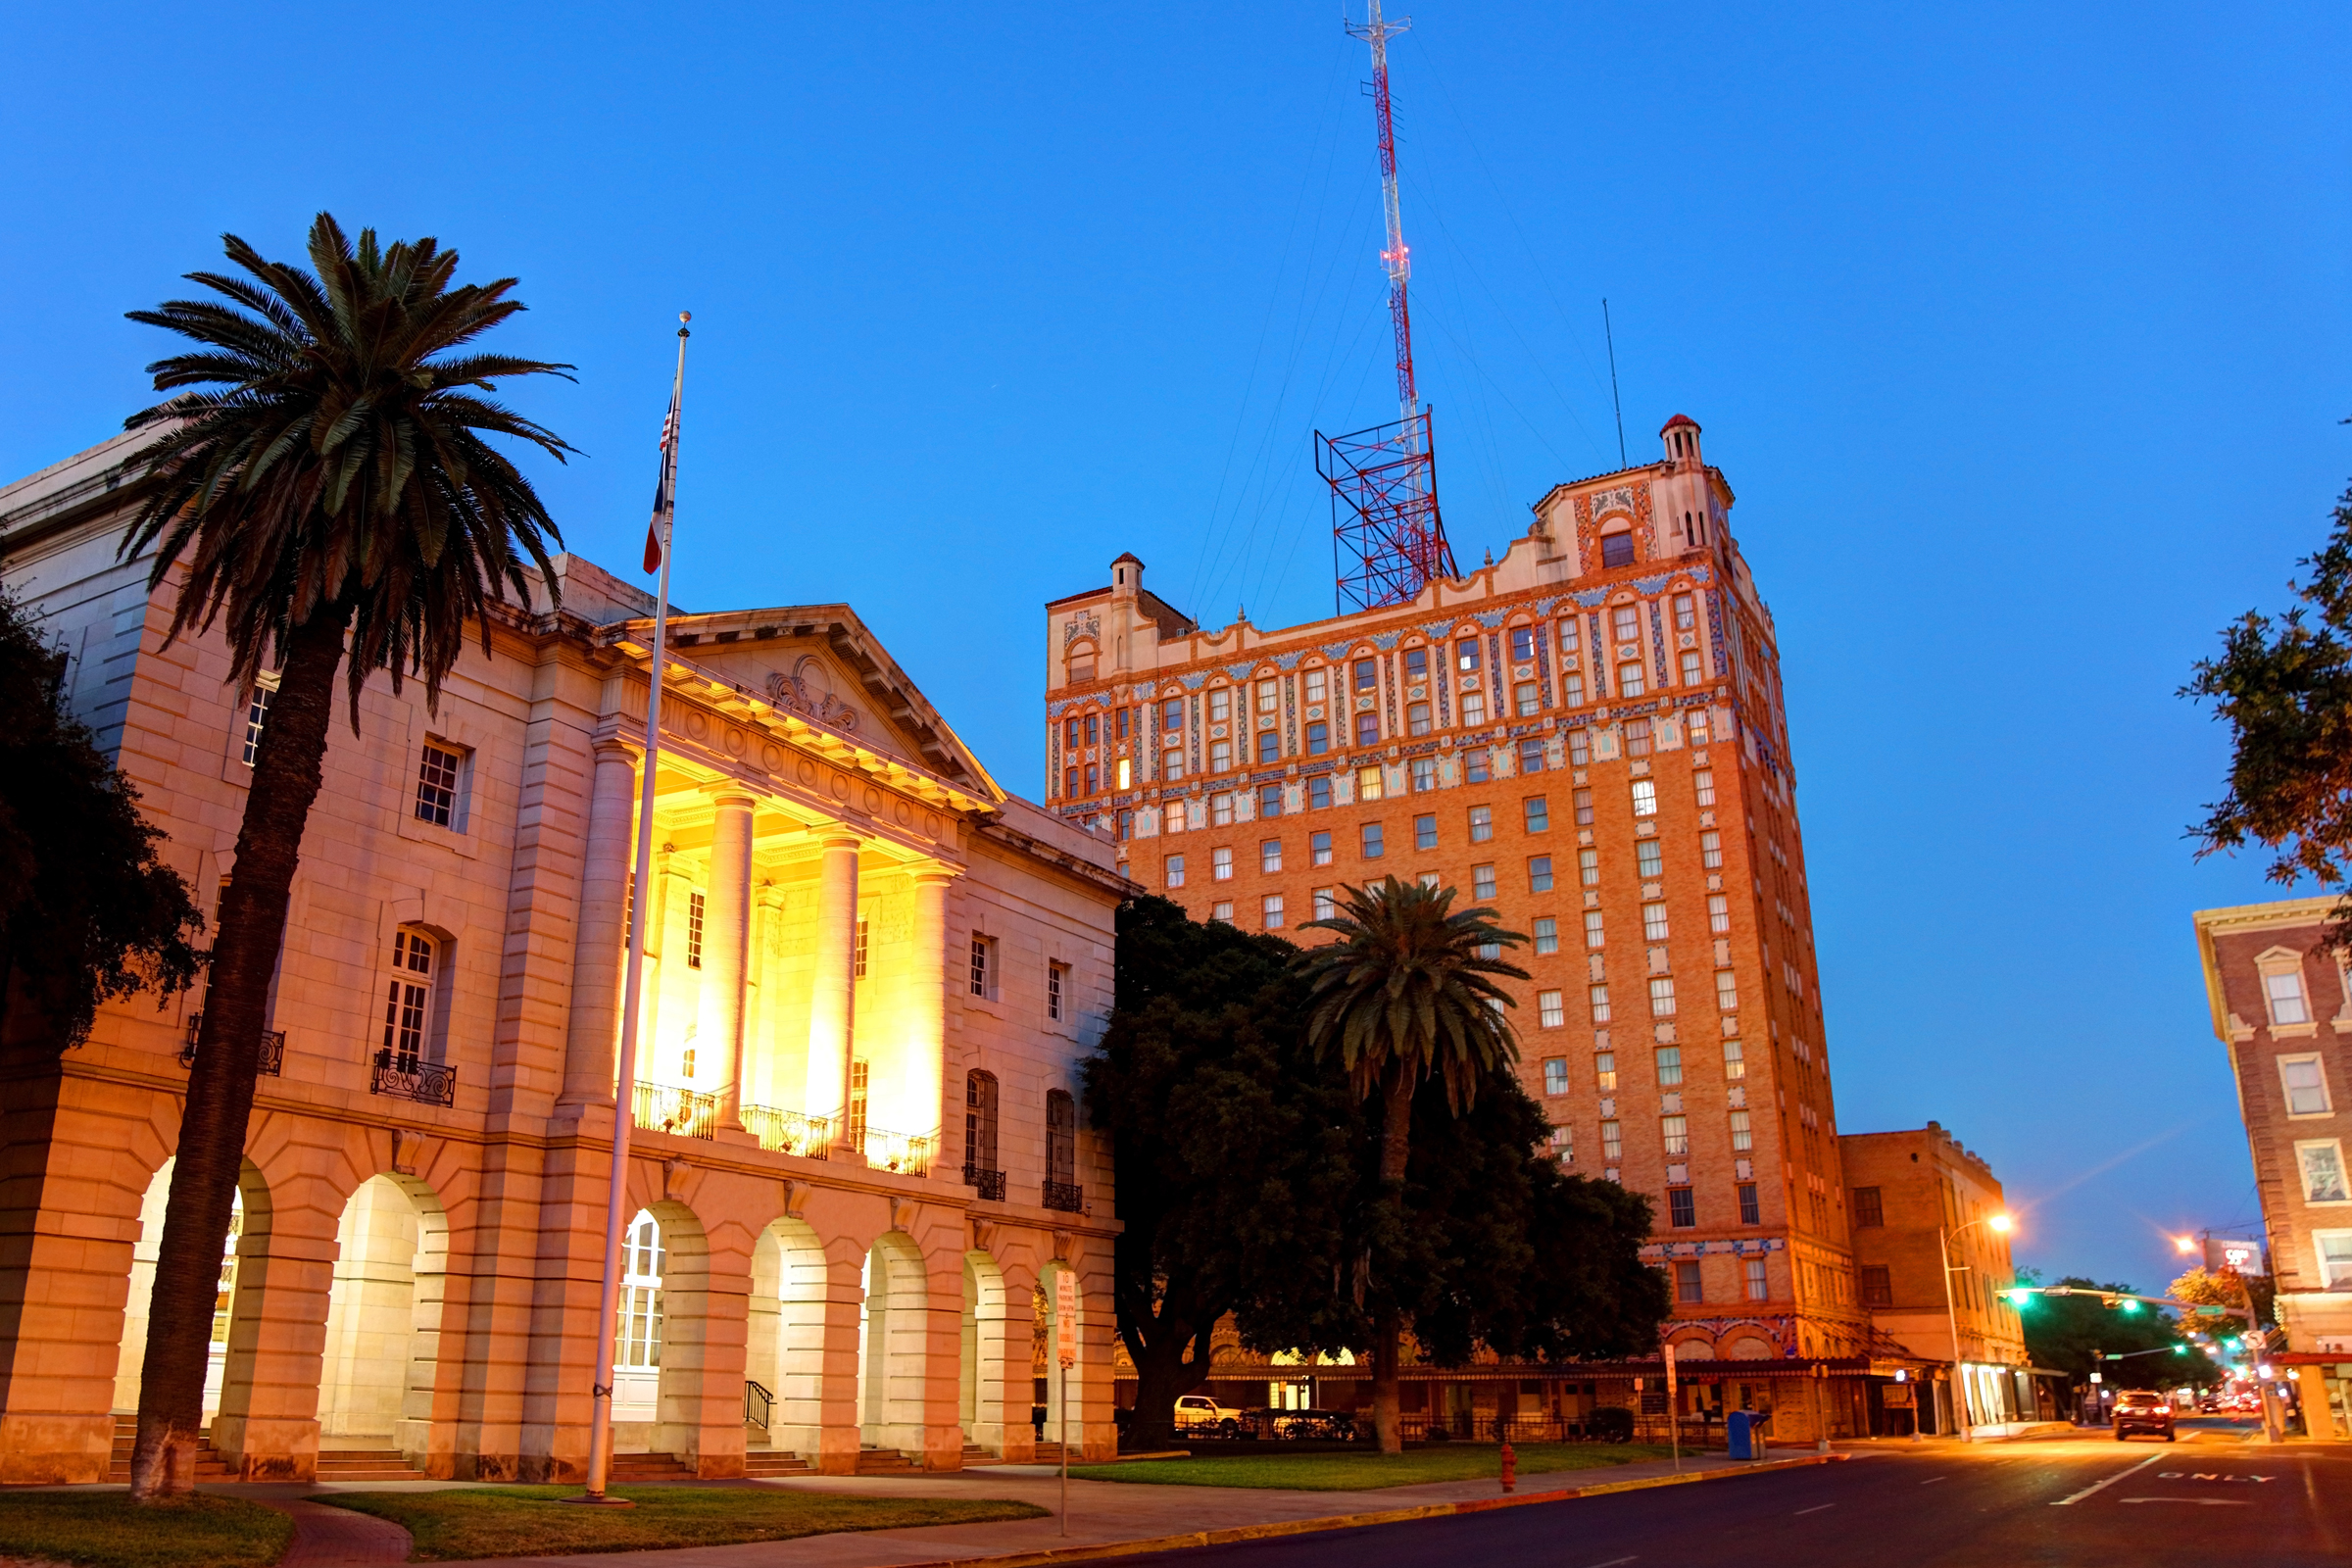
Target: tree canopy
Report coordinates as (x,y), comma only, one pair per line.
(2075,1334)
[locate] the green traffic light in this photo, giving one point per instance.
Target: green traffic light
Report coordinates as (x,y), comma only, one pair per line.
(2180,1349)
(2021,1297)
(2128,1304)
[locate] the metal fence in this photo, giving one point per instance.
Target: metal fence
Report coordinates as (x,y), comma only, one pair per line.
(788,1132)
(664,1109)
(905,1152)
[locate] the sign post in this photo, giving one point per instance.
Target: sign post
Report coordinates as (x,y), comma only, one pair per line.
(1066,1351)
(1674,1406)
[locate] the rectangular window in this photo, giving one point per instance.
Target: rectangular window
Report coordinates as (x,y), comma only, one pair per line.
(1568,636)
(1220,756)
(1670,1066)
(1319,847)
(1416,719)
(1757,1289)
(257,715)
(1703,783)
(1267,692)
(1649,860)
(1126,768)
(2323,1167)
(1727,991)
(1318,738)
(1743,1137)
(1687,1287)
(1429,880)
(1175,870)
(1661,996)
(1690,672)
(1368,674)
(1523,645)
(1636,737)
(1685,612)
(1325,904)
(1093,728)
(1318,792)
(1417,665)
(1653,922)
(1870,1208)
(437,775)
(1171,766)
(1369,784)
(1269,855)
(1465,655)
(1093,780)
(1531,757)
(1171,714)
(1551,1011)
(1538,874)
(1749,1212)
(1526,699)
(2284,992)
(1547,934)
(982,975)
(1604,1071)
(1474,766)
(1058,979)
(1583,802)
(1482,823)
(1645,797)
(1878,1286)
(695,904)
(1538,812)
(1626,621)
(1593,937)
(1220,809)
(1580,748)
(1425,832)
(857,960)
(1220,703)
(1270,800)
(1474,707)
(408,1006)
(1220,864)
(1563,1144)
(1682,1210)
(1222,909)
(1676,1132)
(1612,1142)
(1555,1073)
(2306,1087)
(1572,689)
(1316,687)
(1600,1003)
(1630,682)
(2335,1256)
(1373,848)
(1697,724)
(1425,773)
(1588,867)
(1271,910)
(1710,851)
(1734,1061)
(1269,746)
(1482,882)
(1718,913)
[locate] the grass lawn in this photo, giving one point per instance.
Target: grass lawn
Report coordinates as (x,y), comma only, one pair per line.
(1362,1472)
(533,1521)
(105,1529)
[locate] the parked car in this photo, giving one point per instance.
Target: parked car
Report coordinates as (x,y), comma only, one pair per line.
(1337,1425)
(1200,1415)
(2143,1410)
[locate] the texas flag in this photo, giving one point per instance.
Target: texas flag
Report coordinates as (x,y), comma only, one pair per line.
(656,532)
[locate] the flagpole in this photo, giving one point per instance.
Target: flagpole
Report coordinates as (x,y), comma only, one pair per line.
(624,1095)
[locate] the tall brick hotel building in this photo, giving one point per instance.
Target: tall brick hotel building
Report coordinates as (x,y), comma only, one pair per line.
(1588,735)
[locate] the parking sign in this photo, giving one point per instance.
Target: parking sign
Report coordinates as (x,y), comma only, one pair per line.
(1065,1317)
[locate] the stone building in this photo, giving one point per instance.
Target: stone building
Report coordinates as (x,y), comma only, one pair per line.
(872,976)
(2281,1004)
(1587,735)
(1915,1197)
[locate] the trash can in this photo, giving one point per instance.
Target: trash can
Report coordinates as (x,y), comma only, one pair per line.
(1743,1429)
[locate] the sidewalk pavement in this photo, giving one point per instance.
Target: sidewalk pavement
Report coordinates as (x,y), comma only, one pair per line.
(1108,1518)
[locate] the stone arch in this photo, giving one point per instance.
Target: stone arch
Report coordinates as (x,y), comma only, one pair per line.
(784,1349)
(657,1396)
(994,1356)
(893,1345)
(383,1318)
(246,1241)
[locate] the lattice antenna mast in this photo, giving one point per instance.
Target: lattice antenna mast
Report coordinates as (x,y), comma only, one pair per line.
(1388,541)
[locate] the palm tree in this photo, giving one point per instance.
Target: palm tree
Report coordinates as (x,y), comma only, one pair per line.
(1410,991)
(330,480)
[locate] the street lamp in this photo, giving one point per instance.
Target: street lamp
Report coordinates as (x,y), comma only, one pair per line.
(2185,1245)
(1951,1314)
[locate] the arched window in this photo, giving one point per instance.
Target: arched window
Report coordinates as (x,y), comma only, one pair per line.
(1081,661)
(1061,1153)
(409,1032)
(980,1167)
(637,1329)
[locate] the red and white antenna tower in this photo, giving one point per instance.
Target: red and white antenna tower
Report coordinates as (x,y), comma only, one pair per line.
(1388,540)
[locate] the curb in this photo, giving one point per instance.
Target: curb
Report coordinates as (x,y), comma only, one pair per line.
(1356,1521)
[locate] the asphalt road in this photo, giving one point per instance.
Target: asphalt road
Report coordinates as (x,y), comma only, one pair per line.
(2065,1503)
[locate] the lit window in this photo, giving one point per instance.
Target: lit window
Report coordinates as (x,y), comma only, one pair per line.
(1416,719)
(1538,813)
(1743,1139)
(1474,707)
(1368,785)
(1613,1141)
(1220,703)
(1220,756)
(1126,768)
(1630,682)
(1269,855)
(257,714)
(1691,675)
(1727,991)
(1648,860)
(1600,1003)
(1710,851)
(1645,797)
(695,905)
(1474,766)
(1734,1061)
(1676,1131)
(1269,746)
(1698,726)
(2335,1257)
(1372,845)
(1718,913)
(1425,832)
(1588,867)
(1670,1066)
(1175,870)
(1526,699)
(1583,801)
(408,1006)
(2285,993)
(1272,909)
(1703,783)
(1551,1011)
(1318,846)
(1220,809)
(1563,1144)
(1425,773)
(1757,1289)
(1220,864)
(1058,977)
(1222,909)
(437,786)
(1593,928)
(1482,882)
(2306,1085)
(1538,874)
(1547,934)
(1482,823)
(1682,1212)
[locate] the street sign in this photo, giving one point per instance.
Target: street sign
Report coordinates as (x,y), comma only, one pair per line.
(1065,1317)
(2236,1255)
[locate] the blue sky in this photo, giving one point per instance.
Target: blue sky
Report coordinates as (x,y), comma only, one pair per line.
(2019,333)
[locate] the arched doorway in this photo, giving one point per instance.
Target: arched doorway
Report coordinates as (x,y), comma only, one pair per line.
(383,1318)
(991,1357)
(893,1358)
(658,1333)
(637,1331)
(130,1358)
(1049,1372)
(784,1354)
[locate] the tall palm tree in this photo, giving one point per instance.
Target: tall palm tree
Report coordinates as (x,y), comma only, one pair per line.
(1405,995)
(327,480)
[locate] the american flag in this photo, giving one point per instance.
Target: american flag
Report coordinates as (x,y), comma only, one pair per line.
(664,488)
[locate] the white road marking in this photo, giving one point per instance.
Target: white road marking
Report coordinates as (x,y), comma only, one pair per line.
(1801,1512)
(1931,1481)
(2202,1502)
(1613,1563)
(2102,1486)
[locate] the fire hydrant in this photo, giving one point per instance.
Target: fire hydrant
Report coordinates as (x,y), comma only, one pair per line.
(1511,1468)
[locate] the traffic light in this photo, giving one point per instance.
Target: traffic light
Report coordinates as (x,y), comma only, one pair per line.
(2021,1297)
(2127,1304)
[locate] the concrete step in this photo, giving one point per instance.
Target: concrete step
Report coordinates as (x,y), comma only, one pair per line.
(646,1467)
(366,1464)
(886,1462)
(775,1463)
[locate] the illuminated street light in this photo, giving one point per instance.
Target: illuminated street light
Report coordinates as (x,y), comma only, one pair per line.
(2185,1244)
(1951,1316)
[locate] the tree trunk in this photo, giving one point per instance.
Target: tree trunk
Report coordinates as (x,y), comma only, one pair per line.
(1395,1144)
(251,929)
(1163,1374)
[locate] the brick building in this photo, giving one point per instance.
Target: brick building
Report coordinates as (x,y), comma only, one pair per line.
(1916,1198)
(872,975)
(2282,1005)
(1588,735)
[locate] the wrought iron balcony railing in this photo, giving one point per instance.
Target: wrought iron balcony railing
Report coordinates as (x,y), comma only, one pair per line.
(1068,1197)
(989,1184)
(273,1047)
(403,1077)
(904,1152)
(788,1132)
(664,1109)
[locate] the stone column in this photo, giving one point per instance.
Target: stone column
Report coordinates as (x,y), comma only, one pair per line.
(727,931)
(601,953)
(832,999)
(927,1037)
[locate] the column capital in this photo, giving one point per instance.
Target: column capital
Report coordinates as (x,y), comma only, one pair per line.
(837,836)
(936,872)
(614,749)
(728,792)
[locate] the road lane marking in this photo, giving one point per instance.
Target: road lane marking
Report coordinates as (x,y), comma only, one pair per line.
(2101,1486)
(1801,1512)
(2202,1502)
(1931,1481)
(1614,1562)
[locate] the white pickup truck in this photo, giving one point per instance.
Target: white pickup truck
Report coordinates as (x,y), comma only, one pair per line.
(1198,1412)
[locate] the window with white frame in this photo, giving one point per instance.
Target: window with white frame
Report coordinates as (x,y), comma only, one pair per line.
(1325,904)
(1220,703)
(1555,1073)
(1220,864)
(2282,994)
(1599,995)
(1547,934)
(2335,1257)
(1269,855)
(982,976)
(257,714)
(1593,932)
(1645,797)
(1552,1012)
(1220,756)
(1661,996)
(1057,984)
(1270,909)
(1175,870)
(2322,1163)
(1653,922)
(2306,1085)
(440,786)
(408,1002)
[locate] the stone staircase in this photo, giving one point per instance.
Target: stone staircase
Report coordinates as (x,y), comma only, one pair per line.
(886,1462)
(366,1464)
(775,1463)
(638,1469)
(210,1466)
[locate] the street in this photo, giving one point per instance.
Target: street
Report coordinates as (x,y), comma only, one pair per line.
(2066,1501)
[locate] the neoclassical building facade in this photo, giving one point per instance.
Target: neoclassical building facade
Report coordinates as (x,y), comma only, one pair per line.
(858,1164)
